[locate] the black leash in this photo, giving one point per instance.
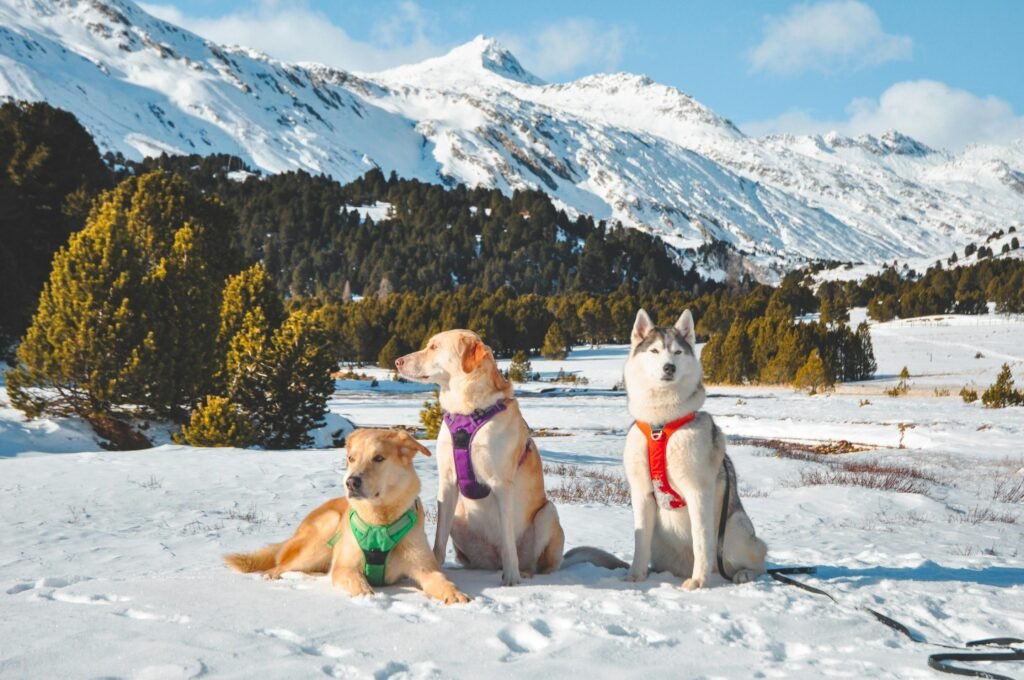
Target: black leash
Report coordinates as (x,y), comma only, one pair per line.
(936,661)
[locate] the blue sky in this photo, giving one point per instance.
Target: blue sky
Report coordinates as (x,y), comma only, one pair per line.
(945,71)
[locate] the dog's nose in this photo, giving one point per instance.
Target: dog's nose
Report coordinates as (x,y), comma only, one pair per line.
(354,483)
(399,361)
(669,369)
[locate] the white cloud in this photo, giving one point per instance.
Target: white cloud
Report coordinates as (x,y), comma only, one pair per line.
(564,47)
(298,33)
(939,115)
(827,37)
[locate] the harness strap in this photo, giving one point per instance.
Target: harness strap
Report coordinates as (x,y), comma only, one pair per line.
(463,428)
(378,540)
(657,460)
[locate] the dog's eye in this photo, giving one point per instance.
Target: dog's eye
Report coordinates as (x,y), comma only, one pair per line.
(351,459)
(378,459)
(678,351)
(654,351)
(432,347)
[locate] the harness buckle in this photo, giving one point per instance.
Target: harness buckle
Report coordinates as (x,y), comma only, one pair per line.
(460,439)
(656,436)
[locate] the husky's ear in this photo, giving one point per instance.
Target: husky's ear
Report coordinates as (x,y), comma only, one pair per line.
(473,353)
(408,446)
(641,327)
(685,326)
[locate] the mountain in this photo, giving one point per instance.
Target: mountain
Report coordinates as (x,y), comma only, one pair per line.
(617,146)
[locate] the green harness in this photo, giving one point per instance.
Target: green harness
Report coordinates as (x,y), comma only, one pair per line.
(378,540)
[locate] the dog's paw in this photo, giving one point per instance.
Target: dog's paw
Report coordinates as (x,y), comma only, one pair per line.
(357,588)
(695,583)
(510,578)
(272,575)
(635,575)
(454,596)
(745,576)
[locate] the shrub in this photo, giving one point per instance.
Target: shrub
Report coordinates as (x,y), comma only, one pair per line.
(431,416)
(1001,393)
(968,395)
(218,422)
(902,387)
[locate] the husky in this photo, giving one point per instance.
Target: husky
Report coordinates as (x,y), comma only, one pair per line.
(677,509)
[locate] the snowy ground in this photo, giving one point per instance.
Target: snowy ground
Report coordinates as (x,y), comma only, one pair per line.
(109,562)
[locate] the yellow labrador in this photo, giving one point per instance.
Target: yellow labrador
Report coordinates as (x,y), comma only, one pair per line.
(499,517)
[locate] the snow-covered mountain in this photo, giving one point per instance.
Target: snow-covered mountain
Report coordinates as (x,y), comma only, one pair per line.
(616,146)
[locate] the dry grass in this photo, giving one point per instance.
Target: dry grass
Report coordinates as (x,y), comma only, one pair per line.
(587,485)
(979,515)
(1009,491)
(893,479)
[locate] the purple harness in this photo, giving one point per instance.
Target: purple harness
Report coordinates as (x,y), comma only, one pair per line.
(463,429)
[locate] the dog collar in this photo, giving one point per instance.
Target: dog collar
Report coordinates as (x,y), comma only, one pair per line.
(657,459)
(378,540)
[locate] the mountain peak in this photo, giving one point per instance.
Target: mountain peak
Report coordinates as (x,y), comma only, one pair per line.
(482,53)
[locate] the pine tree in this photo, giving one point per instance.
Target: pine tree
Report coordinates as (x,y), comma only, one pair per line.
(218,422)
(519,370)
(391,350)
(812,376)
(1001,393)
(282,379)
(129,314)
(556,345)
(712,360)
(737,362)
(250,289)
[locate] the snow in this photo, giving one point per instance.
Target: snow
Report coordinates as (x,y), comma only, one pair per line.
(110,562)
(380,210)
(615,146)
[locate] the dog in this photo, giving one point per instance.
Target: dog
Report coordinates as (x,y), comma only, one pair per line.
(383,494)
(490,497)
(677,516)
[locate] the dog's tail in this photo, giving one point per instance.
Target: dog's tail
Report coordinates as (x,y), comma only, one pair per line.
(260,560)
(595,556)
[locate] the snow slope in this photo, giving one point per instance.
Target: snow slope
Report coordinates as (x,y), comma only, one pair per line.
(109,562)
(613,145)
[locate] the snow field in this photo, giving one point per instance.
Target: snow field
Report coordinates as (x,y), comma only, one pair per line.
(110,562)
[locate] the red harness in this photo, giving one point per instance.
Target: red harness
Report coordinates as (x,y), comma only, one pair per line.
(657,447)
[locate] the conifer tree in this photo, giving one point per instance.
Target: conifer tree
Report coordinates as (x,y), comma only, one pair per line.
(520,370)
(737,362)
(556,345)
(711,358)
(391,350)
(812,376)
(250,289)
(129,314)
(283,381)
(1001,393)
